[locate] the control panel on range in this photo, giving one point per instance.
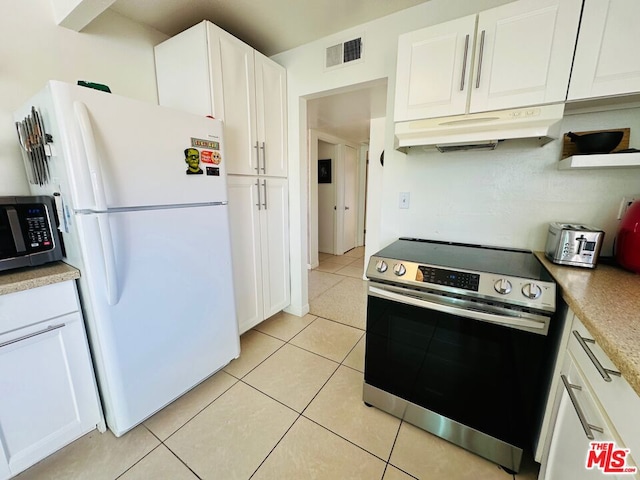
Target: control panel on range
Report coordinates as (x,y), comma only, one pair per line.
(513,289)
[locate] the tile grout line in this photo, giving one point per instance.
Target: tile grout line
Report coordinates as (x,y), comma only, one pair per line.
(240,379)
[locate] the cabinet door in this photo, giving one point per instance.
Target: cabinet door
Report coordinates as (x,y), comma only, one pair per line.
(569,443)
(274,238)
(244,223)
(48,385)
(271,115)
(232,73)
(433,71)
(523,54)
(606,62)
(182,72)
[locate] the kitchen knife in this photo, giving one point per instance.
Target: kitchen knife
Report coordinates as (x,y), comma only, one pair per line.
(41,143)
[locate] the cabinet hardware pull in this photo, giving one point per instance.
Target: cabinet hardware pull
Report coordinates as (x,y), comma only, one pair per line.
(257,147)
(586,426)
(34,334)
(264,158)
(264,184)
(259,200)
(604,372)
(464,62)
(480,59)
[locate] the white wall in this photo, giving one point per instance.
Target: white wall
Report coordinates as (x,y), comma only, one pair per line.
(33,49)
(509,196)
(306,76)
(504,197)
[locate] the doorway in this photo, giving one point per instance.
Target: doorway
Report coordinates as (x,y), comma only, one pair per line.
(336,195)
(341,120)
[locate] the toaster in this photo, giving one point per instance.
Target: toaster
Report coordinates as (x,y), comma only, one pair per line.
(571,244)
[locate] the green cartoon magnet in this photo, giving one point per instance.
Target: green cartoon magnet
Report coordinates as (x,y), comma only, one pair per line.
(192,158)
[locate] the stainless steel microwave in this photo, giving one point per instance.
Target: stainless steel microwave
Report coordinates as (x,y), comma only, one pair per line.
(28,232)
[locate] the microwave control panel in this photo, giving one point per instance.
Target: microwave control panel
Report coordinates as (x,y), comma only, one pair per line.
(36,225)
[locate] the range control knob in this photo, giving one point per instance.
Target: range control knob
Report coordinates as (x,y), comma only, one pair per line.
(399,269)
(503,286)
(381,266)
(532,291)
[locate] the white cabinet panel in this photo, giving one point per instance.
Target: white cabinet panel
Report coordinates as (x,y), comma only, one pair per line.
(605,63)
(248,92)
(274,227)
(234,83)
(246,251)
(609,410)
(515,55)
(271,116)
(49,392)
(569,444)
(434,70)
(232,62)
(526,59)
(259,210)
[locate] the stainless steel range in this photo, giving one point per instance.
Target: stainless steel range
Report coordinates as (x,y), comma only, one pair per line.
(460,342)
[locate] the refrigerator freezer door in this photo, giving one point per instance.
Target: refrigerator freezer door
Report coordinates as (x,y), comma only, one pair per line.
(124,153)
(173,320)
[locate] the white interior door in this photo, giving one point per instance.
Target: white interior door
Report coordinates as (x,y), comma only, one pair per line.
(327,161)
(350,218)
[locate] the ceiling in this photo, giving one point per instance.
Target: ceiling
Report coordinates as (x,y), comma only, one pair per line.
(274,26)
(346,115)
(269,26)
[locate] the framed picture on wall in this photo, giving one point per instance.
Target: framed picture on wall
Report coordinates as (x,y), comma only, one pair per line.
(324,171)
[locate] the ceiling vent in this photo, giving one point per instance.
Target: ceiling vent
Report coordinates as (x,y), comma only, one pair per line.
(342,53)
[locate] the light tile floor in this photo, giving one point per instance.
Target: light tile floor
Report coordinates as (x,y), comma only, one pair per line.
(289,408)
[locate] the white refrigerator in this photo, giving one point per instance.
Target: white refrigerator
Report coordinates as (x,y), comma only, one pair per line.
(142,200)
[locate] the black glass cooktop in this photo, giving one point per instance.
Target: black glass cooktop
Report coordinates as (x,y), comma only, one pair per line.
(477,258)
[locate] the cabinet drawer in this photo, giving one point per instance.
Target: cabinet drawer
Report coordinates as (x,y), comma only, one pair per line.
(21,309)
(618,399)
(579,415)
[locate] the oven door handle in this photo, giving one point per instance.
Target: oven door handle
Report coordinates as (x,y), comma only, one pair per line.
(537,326)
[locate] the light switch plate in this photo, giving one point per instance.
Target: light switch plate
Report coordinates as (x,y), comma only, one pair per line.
(404,199)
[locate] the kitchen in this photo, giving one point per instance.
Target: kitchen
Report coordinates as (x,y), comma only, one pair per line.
(508,180)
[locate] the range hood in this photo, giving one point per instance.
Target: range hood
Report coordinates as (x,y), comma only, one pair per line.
(481,130)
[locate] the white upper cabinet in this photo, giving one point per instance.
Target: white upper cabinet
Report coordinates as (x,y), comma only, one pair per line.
(606,62)
(233,86)
(434,67)
(271,116)
(511,56)
(207,71)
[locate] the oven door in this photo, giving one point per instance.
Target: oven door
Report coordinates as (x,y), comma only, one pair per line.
(479,368)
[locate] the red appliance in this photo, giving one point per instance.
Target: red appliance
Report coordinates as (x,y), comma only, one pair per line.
(627,245)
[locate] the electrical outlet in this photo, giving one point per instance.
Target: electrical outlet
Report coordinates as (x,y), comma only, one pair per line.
(626,202)
(404,199)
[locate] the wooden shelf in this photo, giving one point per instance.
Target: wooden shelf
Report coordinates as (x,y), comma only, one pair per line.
(607,160)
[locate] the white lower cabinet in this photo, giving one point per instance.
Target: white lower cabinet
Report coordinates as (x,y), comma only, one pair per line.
(259,221)
(589,408)
(49,396)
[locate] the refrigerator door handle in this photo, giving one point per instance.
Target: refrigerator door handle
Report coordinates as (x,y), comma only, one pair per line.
(93,162)
(108,257)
